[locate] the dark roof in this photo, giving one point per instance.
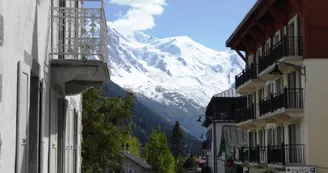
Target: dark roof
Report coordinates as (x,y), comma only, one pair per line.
(224,108)
(137,160)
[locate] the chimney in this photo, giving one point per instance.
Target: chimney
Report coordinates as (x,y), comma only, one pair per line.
(127,147)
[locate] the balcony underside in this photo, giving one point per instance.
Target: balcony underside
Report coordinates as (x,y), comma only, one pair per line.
(297,60)
(250,124)
(254,164)
(71,77)
(250,86)
(283,114)
(242,164)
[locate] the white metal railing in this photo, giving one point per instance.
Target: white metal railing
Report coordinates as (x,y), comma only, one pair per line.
(78,32)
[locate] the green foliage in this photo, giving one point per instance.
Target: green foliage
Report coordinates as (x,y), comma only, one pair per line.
(177,140)
(158,154)
(179,165)
(103,133)
(191,162)
(134,145)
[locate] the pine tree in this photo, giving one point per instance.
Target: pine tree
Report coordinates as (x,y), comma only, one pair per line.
(158,154)
(177,140)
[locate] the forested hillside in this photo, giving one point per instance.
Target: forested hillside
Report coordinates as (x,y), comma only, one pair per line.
(145,120)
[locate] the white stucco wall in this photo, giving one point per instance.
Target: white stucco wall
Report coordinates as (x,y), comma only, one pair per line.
(26,28)
(316,108)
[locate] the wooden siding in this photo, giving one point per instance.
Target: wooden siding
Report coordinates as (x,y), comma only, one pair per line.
(316,28)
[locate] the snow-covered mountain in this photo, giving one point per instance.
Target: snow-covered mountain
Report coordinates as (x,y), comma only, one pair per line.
(174,76)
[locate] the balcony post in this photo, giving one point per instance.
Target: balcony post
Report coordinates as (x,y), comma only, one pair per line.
(268,153)
(284,45)
(258,153)
(286,97)
(283,161)
(242,153)
(271,98)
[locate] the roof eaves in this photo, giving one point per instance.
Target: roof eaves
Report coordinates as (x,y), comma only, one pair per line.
(243,21)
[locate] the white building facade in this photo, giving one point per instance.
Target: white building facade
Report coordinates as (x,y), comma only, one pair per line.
(46,47)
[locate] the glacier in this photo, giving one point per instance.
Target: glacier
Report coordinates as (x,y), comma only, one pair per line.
(175,76)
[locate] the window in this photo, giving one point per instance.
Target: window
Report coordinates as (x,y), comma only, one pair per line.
(294,131)
(280,135)
(269,90)
(252,139)
(251,98)
(267,46)
(249,60)
(262,137)
(261,94)
(259,53)
(271,136)
(276,38)
(279,85)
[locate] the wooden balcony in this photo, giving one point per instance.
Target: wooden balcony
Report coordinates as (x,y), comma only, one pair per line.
(247,116)
(247,81)
(287,50)
(285,105)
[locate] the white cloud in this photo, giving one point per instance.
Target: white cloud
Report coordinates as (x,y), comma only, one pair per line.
(140,16)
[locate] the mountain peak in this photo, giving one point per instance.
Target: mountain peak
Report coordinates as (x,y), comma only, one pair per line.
(177,73)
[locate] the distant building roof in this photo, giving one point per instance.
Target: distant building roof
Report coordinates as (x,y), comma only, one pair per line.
(137,160)
(231,92)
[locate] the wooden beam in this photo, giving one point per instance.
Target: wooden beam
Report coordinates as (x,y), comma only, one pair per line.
(278,17)
(298,7)
(247,45)
(241,55)
(259,39)
(265,31)
(258,30)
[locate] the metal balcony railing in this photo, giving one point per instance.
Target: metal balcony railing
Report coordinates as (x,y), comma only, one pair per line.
(241,154)
(249,73)
(258,154)
(247,113)
(206,145)
(287,98)
(286,154)
(289,46)
(79,33)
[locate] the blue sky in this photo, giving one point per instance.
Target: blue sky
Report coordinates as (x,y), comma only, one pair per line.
(209,22)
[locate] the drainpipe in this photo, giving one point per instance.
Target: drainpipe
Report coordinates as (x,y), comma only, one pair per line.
(49,83)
